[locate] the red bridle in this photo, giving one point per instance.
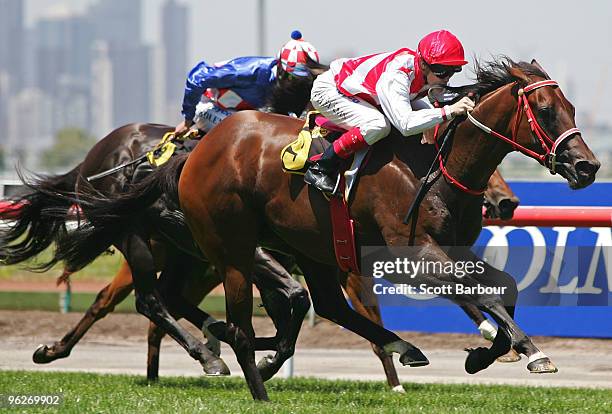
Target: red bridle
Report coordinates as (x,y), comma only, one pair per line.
(547,159)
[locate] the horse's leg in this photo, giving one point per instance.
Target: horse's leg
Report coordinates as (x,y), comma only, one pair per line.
(509,333)
(354,288)
(231,249)
(428,251)
(154,338)
(329,303)
(286,302)
(137,251)
(488,331)
(239,333)
(196,287)
(114,293)
(182,286)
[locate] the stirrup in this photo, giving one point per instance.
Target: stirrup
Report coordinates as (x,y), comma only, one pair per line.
(327,194)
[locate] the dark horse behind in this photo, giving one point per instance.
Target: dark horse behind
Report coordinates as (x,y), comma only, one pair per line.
(163,245)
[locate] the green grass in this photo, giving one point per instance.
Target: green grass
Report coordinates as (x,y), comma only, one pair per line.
(84,393)
(49,301)
(103,268)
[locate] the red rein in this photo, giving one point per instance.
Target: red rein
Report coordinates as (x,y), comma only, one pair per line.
(548,144)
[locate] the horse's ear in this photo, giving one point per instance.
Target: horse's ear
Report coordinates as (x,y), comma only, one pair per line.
(519,75)
(537,65)
(317,71)
(315,68)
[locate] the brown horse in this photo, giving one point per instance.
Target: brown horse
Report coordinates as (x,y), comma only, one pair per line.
(500,201)
(234,196)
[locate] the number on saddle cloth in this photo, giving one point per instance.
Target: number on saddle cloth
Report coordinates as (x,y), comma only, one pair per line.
(315,136)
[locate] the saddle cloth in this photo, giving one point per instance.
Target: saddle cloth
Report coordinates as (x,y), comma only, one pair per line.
(316,135)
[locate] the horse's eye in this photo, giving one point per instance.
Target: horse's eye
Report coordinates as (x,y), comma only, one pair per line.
(544,110)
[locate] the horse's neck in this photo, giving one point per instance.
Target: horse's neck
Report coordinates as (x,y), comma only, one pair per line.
(475,154)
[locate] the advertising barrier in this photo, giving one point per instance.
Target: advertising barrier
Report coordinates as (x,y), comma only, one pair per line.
(559,256)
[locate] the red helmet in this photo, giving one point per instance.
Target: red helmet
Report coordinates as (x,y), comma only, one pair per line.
(441,48)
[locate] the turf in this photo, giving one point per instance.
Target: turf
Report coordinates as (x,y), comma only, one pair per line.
(85,393)
(49,301)
(103,268)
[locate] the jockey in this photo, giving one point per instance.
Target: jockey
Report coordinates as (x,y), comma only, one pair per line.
(213,92)
(369,94)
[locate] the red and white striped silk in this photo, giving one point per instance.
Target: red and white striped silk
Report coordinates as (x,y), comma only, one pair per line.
(359,76)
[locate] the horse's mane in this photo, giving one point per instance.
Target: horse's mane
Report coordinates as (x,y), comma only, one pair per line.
(291,94)
(496,73)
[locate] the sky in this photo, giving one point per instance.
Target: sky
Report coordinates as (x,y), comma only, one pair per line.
(571,40)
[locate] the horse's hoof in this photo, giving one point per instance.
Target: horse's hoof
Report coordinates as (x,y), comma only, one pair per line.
(477,359)
(409,354)
(511,356)
(266,367)
(414,358)
(41,355)
(215,367)
(399,389)
(542,366)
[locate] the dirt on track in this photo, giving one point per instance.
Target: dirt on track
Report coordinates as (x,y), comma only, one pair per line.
(40,326)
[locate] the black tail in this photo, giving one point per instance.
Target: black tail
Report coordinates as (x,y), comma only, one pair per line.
(28,231)
(109,219)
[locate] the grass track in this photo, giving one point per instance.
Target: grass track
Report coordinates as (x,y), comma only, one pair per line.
(85,393)
(103,268)
(49,301)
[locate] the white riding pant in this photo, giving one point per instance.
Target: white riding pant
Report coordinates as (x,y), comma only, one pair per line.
(208,115)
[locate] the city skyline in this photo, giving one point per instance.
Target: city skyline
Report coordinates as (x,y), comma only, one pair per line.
(90,70)
(527,30)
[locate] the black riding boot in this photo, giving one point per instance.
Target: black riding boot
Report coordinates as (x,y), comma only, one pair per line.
(323,174)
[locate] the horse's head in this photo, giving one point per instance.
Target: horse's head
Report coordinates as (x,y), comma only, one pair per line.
(291,93)
(545,126)
(499,199)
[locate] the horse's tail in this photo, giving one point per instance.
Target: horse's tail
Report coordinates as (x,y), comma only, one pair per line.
(108,219)
(27,230)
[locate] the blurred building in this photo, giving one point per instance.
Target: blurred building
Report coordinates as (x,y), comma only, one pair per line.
(118,23)
(174,23)
(11,57)
(30,128)
(63,66)
(101,90)
(131,84)
(11,42)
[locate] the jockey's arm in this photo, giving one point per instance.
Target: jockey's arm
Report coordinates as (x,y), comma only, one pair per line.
(204,76)
(393,90)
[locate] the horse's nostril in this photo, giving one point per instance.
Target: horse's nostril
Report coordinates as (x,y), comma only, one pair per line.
(507,207)
(587,167)
(508,204)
